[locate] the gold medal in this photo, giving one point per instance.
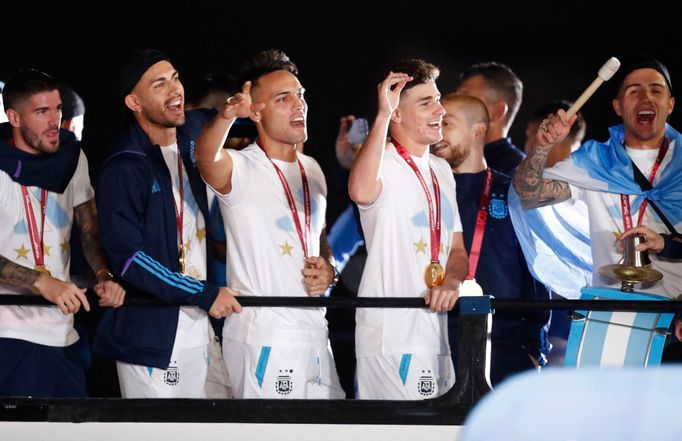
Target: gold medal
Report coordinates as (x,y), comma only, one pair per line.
(181,258)
(434,274)
(43,270)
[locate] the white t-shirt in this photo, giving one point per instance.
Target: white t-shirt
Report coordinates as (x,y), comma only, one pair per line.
(40,324)
(398,237)
(264,252)
(192,322)
(606,224)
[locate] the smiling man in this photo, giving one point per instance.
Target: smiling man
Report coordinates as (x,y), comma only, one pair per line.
(273,200)
(153,213)
(408,211)
(603,174)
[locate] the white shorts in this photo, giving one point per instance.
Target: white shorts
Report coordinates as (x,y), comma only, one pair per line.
(404,377)
(281,372)
(184,378)
(217,380)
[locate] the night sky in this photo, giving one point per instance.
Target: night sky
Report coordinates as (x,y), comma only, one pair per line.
(340,49)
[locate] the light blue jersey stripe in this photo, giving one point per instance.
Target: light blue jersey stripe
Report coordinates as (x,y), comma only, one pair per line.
(190,282)
(404,367)
(170,282)
(262,364)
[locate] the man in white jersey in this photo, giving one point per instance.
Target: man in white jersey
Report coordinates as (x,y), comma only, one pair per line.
(273,202)
(408,211)
(44,187)
(153,212)
(603,174)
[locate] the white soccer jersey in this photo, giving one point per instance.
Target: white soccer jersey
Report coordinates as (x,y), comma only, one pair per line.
(193,322)
(42,325)
(264,252)
(397,234)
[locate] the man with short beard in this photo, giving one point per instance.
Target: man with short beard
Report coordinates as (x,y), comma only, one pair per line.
(44,187)
(496,261)
(153,212)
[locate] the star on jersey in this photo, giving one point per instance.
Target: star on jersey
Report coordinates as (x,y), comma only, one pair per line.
(421,246)
(46,249)
(286,248)
(201,234)
(188,245)
(64,245)
(22,253)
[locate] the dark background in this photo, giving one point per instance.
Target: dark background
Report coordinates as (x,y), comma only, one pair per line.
(340,48)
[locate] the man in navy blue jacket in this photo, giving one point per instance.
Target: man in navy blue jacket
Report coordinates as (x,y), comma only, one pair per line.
(153,215)
(518,339)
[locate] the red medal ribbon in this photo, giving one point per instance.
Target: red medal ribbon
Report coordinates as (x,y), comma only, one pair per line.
(36,239)
(292,203)
(481,220)
(625,199)
(434,219)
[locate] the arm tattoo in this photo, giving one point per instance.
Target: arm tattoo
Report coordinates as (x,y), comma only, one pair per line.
(532,188)
(86,217)
(16,275)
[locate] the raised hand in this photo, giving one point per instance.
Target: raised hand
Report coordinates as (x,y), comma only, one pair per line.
(554,128)
(389,91)
(240,104)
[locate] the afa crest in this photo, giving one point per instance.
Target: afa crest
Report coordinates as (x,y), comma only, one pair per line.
(426,385)
(171,376)
(284,384)
(498,207)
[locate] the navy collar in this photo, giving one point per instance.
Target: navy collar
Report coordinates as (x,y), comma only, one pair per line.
(53,172)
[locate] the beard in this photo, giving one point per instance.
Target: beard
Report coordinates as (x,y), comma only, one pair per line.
(454,155)
(36,141)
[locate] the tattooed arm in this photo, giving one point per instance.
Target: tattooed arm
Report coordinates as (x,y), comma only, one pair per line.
(109,292)
(66,295)
(532,188)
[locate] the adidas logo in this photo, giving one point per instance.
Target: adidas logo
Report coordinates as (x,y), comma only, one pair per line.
(155,186)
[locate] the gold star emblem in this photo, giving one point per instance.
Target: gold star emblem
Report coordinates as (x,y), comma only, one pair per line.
(421,246)
(201,234)
(22,253)
(188,246)
(46,249)
(65,246)
(286,248)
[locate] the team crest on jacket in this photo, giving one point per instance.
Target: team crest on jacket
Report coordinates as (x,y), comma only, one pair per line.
(426,385)
(171,376)
(284,384)
(497,206)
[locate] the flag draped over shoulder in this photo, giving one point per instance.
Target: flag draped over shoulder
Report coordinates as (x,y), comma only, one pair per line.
(555,239)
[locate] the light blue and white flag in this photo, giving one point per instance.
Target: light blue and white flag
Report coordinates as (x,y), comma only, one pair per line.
(556,240)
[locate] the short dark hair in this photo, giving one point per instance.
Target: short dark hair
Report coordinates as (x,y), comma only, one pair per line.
(420,71)
(640,61)
(500,78)
(577,132)
(476,112)
(24,84)
(263,63)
